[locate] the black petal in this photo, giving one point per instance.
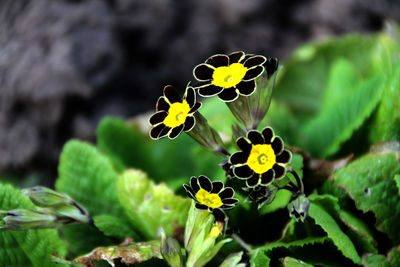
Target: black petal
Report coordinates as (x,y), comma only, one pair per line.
(271,66)
(195,107)
(219,215)
(201,206)
(203,72)
(254,61)
(176,131)
(255,137)
(244,144)
(218,60)
(205,183)
(217,187)
(162,104)
(228,94)
(189,191)
(171,94)
(158,117)
(268,133)
(226,193)
(230,201)
(235,57)
(210,90)
(253,180)
(194,184)
(189,123)
(239,158)
(190,96)
(243,171)
(279,171)
(267,177)
(277,145)
(155,131)
(253,73)
(227,207)
(284,157)
(164,132)
(246,88)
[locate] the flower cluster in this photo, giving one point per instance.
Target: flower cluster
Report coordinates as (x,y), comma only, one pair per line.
(245,83)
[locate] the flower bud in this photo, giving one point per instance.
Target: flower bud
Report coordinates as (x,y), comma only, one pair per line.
(24,219)
(58,204)
(170,250)
(298,208)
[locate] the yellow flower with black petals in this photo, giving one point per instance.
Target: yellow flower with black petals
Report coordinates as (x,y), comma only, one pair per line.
(173,114)
(262,158)
(229,76)
(210,195)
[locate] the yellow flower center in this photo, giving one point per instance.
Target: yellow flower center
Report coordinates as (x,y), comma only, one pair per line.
(261,158)
(177,114)
(229,76)
(208,199)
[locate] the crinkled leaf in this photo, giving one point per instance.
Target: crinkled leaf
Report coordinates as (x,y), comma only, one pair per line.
(357,230)
(151,206)
(292,262)
(127,254)
(386,124)
(26,248)
(89,178)
(392,259)
(330,226)
(370,182)
(336,122)
(111,225)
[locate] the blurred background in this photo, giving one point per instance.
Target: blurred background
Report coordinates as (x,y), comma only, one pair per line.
(66,64)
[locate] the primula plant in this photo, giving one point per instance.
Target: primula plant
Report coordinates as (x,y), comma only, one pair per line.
(254,163)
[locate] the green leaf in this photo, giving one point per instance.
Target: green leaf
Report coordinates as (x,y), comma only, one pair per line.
(386,123)
(113,226)
(259,259)
(125,145)
(369,182)
(397,180)
(26,248)
(292,262)
(341,78)
(358,231)
(336,122)
(375,260)
(128,147)
(89,178)
(329,225)
(151,206)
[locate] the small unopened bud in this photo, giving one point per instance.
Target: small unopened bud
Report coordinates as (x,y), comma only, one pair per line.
(58,204)
(24,219)
(298,208)
(45,197)
(170,250)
